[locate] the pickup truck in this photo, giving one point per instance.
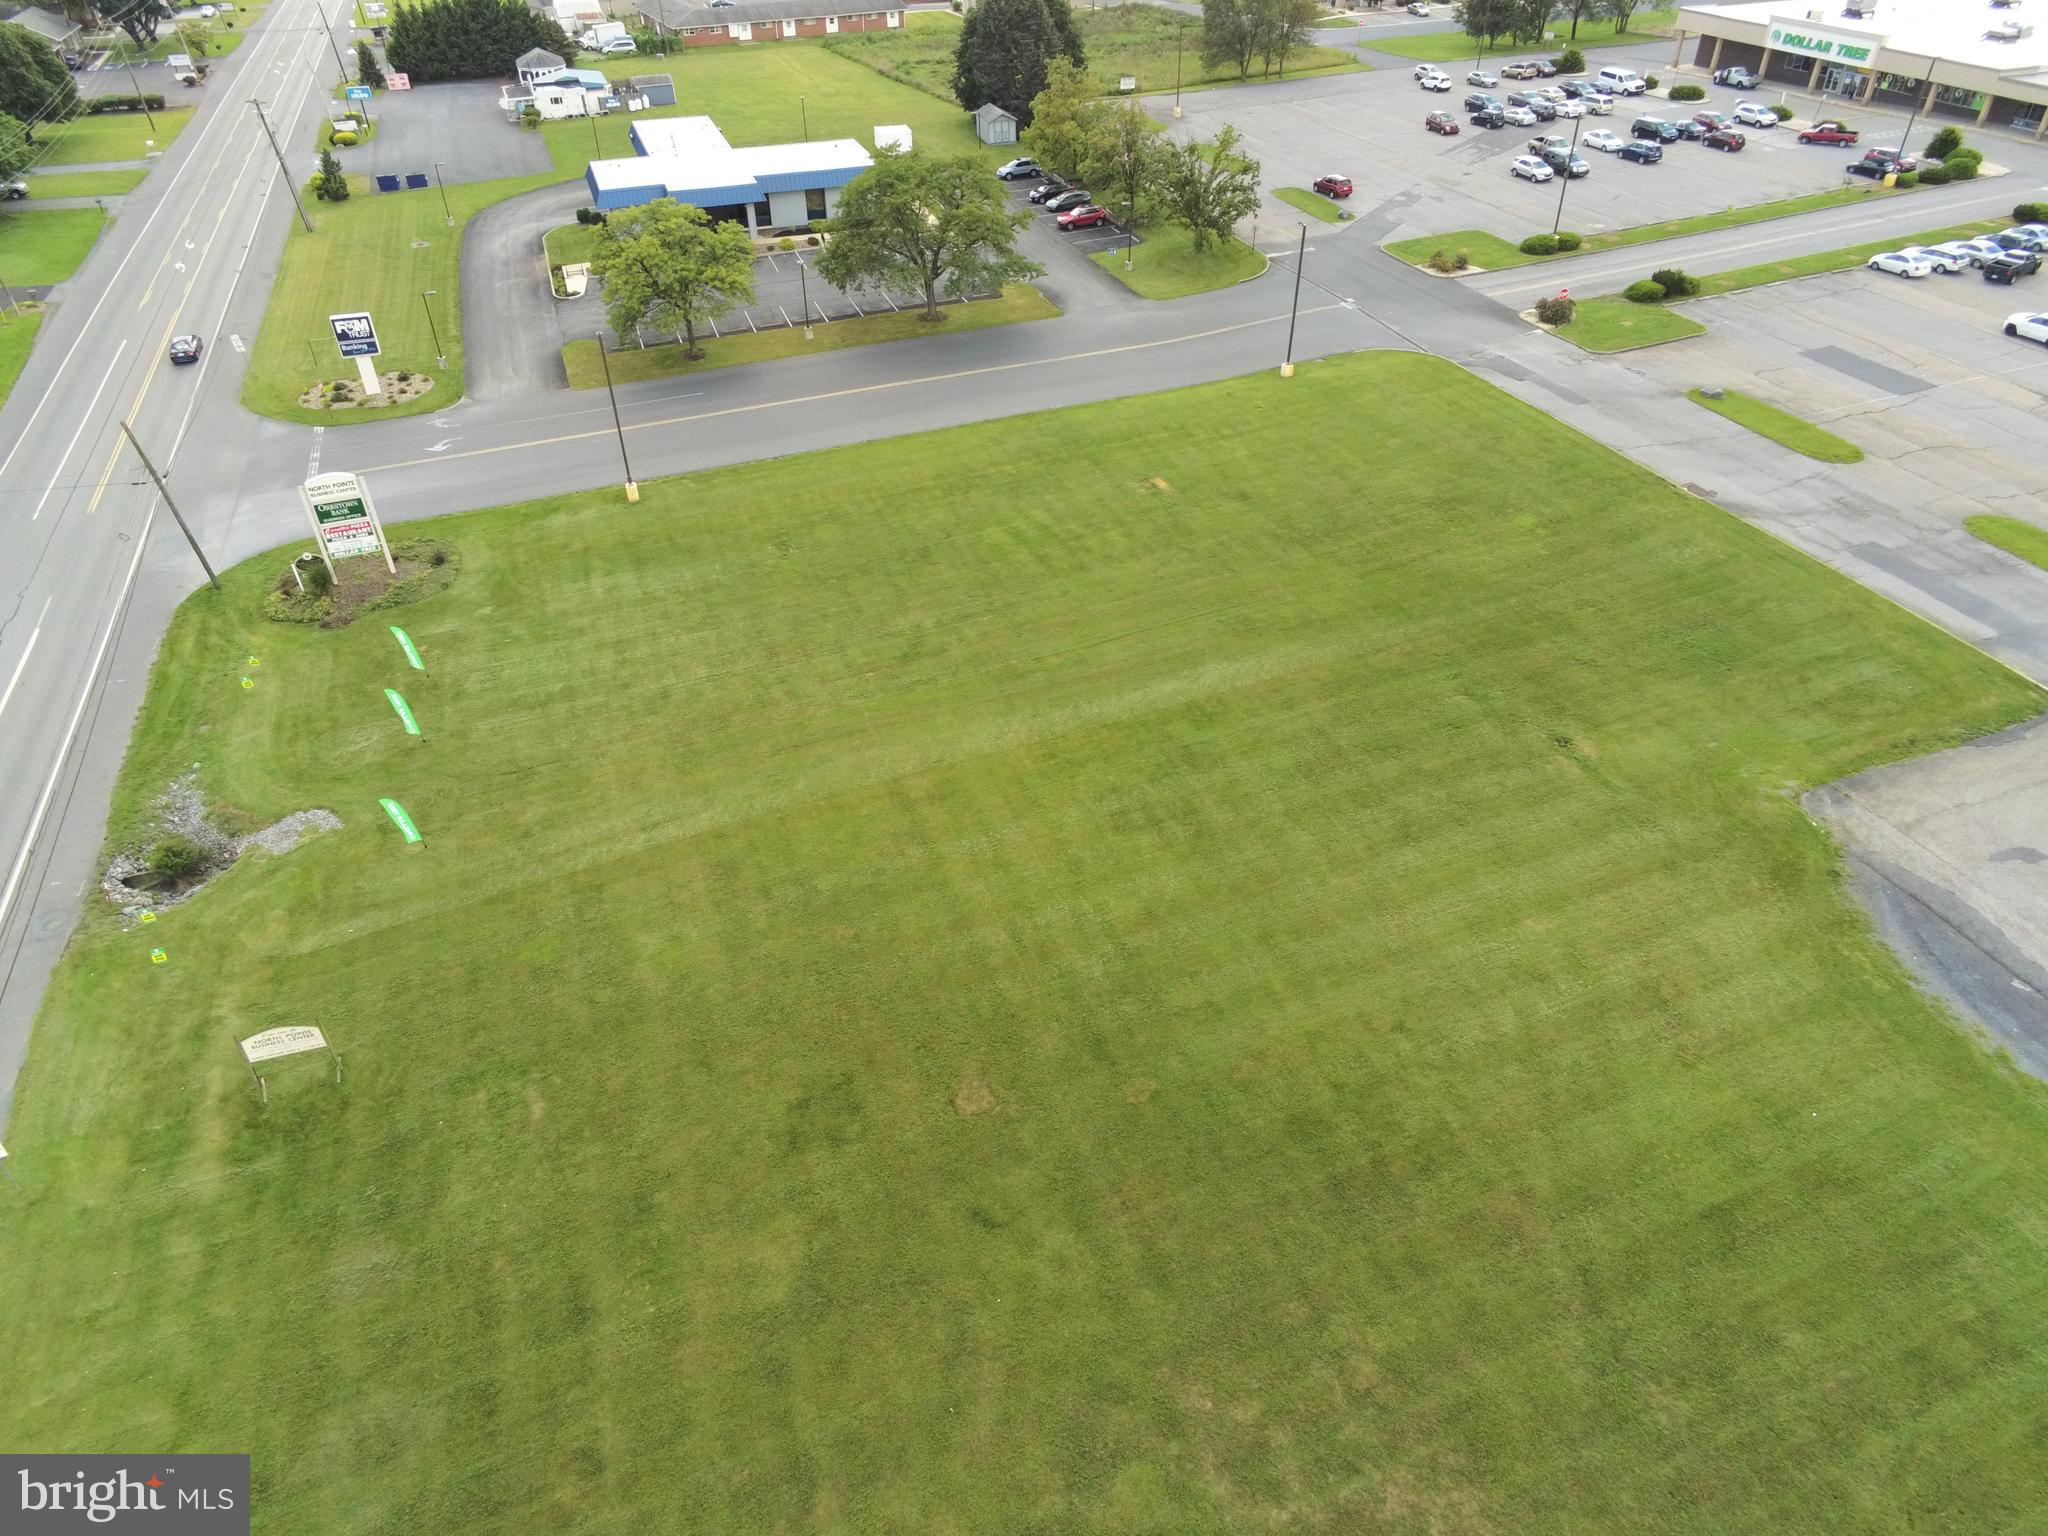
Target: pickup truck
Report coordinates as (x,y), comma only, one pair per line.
(1827,133)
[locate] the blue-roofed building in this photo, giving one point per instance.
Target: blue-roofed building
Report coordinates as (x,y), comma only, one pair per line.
(769,187)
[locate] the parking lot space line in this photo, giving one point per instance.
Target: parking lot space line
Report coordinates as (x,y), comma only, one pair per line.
(772,267)
(785,315)
(893,305)
(856,306)
(750,321)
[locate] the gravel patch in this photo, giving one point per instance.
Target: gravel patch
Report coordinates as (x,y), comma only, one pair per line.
(128,884)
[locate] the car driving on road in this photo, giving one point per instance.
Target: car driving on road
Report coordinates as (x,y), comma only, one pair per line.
(2028,327)
(1900,264)
(186,349)
(1530,168)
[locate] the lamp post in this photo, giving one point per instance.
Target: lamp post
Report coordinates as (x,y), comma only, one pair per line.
(1300,254)
(1906,140)
(433,330)
(1564,177)
(803,106)
(632,488)
(450,217)
(803,277)
(1130,231)
(1179,46)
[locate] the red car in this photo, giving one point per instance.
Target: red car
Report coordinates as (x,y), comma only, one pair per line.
(1440,122)
(1827,133)
(1085,217)
(1710,120)
(1333,186)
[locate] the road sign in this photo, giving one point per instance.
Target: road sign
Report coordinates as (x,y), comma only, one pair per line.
(394,80)
(359,93)
(344,518)
(355,334)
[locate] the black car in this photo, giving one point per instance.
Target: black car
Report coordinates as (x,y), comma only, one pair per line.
(2012,266)
(1641,152)
(1073,197)
(1490,117)
(186,349)
(1663,133)
(1565,163)
(1053,188)
(1019,170)
(1482,101)
(1690,129)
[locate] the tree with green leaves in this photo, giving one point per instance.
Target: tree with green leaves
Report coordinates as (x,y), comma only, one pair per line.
(1572,10)
(1230,35)
(1488,20)
(140,19)
(1124,156)
(329,184)
(35,87)
(1286,25)
(1058,135)
(368,71)
(1619,11)
(467,39)
(1209,187)
(16,154)
(1006,50)
(929,221)
(193,38)
(666,266)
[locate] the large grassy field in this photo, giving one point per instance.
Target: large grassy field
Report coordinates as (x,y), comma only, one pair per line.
(1138,40)
(1126,999)
(46,245)
(1445,47)
(109,136)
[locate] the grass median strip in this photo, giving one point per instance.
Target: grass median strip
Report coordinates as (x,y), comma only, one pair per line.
(1615,325)
(1119,969)
(1312,203)
(2025,540)
(46,245)
(1167,265)
(1841,258)
(1780,426)
(1492,252)
(17,336)
(1455,46)
(1019,302)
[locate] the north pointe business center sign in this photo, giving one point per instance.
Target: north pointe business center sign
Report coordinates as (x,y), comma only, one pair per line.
(1804,38)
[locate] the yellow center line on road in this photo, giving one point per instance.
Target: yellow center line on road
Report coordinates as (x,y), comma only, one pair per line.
(857,389)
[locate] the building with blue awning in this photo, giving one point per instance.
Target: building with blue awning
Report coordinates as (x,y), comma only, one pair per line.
(769,187)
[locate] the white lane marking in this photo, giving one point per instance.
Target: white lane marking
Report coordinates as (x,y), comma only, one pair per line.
(236,343)
(313,459)
(442,446)
(83,418)
(34,634)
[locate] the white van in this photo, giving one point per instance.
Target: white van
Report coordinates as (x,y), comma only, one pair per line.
(1620,82)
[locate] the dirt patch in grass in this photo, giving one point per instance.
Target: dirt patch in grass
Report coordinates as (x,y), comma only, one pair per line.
(973,1097)
(140,892)
(347,394)
(423,567)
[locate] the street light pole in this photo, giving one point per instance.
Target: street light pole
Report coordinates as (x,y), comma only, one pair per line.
(444,195)
(632,488)
(433,330)
(1564,177)
(1300,254)
(1179,47)
(1906,140)
(803,277)
(803,106)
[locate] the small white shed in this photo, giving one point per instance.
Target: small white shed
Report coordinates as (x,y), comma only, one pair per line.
(992,125)
(893,136)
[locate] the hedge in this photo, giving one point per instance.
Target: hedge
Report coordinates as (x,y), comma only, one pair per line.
(2030,213)
(1643,291)
(1688,93)
(151,101)
(1539,245)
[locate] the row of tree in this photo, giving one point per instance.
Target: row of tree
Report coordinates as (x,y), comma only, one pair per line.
(1235,32)
(1524,21)
(1116,149)
(467,39)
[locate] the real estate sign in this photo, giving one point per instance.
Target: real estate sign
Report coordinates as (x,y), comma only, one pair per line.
(1797,35)
(344,518)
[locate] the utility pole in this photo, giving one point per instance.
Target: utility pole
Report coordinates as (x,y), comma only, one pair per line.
(1919,98)
(1180,45)
(291,185)
(804,107)
(1300,255)
(11,304)
(141,100)
(450,217)
(803,277)
(632,488)
(164,491)
(321,11)
(1564,177)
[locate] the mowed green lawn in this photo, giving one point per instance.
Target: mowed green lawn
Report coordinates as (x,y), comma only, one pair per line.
(45,245)
(110,136)
(1445,47)
(17,337)
(945,997)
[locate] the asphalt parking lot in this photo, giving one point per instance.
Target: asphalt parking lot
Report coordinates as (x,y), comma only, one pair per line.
(1071,280)
(458,124)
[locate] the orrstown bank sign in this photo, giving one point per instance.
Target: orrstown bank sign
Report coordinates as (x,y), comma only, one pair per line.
(1820,43)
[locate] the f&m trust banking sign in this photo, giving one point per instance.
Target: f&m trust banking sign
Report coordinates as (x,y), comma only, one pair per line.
(1803,37)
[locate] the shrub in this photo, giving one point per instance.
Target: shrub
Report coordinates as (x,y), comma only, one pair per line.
(1570,62)
(346,139)
(1782,112)
(1449,261)
(1556,311)
(529,116)
(1963,164)
(785,244)
(318,579)
(1945,142)
(588,216)
(1675,283)
(1649,82)
(1930,176)
(175,857)
(1540,245)
(1909,179)
(2030,213)
(811,240)
(1644,291)
(1567,241)
(1688,93)
(153,100)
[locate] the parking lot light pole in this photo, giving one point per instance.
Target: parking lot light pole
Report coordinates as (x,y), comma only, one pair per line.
(1564,178)
(450,217)
(803,106)
(1300,254)
(1130,231)
(803,277)
(433,330)
(632,487)
(1179,47)
(1906,139)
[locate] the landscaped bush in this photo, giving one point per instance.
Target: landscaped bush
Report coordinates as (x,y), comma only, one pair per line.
(1931,176)
(785,244)
(152,100)
(1782,112)
(1556,311)
(1688,93)
(1963,165)
(1540,245)
(529,116)
(1644,291)
(176,857)
(1675,283)
(1567,241)
(1908,179)
(1649,82)
(1448,261)
(1945,142)
(346,139)
(2030,213)
(1570,62)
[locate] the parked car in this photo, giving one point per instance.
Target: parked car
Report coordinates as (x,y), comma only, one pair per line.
(1654,128)
(2027,327)
(2019,240)
(1566,164)
(1489,117)
(1440,122)
(74,61)
(1541,106)
(1484,78)
(1973,253)
(1872,168)
(1827,133)
(1895,159)
(1530,168)
(186,349)
(14,190)
(1519,117)
(1087,216)
(1433,81)
(1480,101)
(1642,152)
(1543,143)
(619,45)
(2012,266)
(1568,108)
(1901,264)
(1724,139)
(1598,103)
(1735,75)
(1606,140)
(1073,197)
(1339,186)
(1940,260)
(1755,115)
(2032,229)
(1519,72)
(1417,8)
(1019,170)
(1546,69)
(1711,120)
(1051,188)
(1688,129)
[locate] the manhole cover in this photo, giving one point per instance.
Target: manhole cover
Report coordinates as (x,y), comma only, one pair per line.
(419,245)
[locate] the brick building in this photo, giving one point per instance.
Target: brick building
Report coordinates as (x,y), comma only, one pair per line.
(760,21)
